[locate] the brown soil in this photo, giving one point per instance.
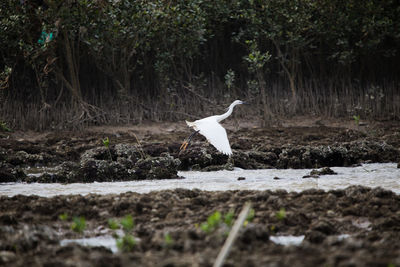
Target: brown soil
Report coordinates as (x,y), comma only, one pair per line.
(30,227)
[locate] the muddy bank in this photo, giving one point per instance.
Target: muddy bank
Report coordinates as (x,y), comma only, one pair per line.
(357,226)
(139,153)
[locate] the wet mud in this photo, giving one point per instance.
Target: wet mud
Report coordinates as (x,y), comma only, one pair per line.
(357,226)
(153,153)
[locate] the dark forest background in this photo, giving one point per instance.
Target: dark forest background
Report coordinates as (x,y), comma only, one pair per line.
(78,62)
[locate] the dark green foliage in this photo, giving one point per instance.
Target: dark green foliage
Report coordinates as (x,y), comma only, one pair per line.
(144,58)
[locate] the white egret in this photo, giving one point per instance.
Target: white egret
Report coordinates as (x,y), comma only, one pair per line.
(211,128)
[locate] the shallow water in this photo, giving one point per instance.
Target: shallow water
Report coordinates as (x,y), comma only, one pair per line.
(287,240)
(385,175)
(291,240)
(109,242)
(98,241)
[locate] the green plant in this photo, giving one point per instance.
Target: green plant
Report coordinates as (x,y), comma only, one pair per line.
(229,78)
(112,224)
(4,127)
(78,224)
(218,219)
(127,223)
(168,241)
(127,241)
(212,222)
(63,217)
(357,119)
(106,143)
(281,214)
(251,215)
(229,218)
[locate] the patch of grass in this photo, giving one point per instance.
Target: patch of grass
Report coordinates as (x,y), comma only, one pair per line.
(78,224)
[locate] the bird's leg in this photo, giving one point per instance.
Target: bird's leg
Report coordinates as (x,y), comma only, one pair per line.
(187,141)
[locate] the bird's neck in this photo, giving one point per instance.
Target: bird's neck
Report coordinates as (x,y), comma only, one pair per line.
(226,114)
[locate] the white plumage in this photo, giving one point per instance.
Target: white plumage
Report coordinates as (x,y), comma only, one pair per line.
(213,130)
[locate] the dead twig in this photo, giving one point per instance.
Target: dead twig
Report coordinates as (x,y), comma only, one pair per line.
(232,236)
(139,146)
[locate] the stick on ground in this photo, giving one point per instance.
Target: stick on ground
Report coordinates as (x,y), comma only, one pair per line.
(232,236)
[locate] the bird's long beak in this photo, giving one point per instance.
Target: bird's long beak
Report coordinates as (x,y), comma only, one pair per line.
(245,103)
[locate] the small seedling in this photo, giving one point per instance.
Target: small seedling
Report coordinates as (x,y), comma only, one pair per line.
(63,217)
(229,218)
(106,143)
(126,243)
(249,217)
(281,214)
(127,223)
(78,224)
(168,241)
(212,222)
(112,224)
(357,119)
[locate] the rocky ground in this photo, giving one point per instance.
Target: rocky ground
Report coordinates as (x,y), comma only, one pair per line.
(353,227)
(152,151)
(169,229)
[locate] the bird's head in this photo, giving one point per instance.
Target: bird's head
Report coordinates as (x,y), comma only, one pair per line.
(238,102)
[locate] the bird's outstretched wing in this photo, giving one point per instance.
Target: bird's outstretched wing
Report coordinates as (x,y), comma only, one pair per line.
(215,134)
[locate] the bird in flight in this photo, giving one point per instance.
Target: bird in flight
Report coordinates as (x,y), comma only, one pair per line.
(211,128)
